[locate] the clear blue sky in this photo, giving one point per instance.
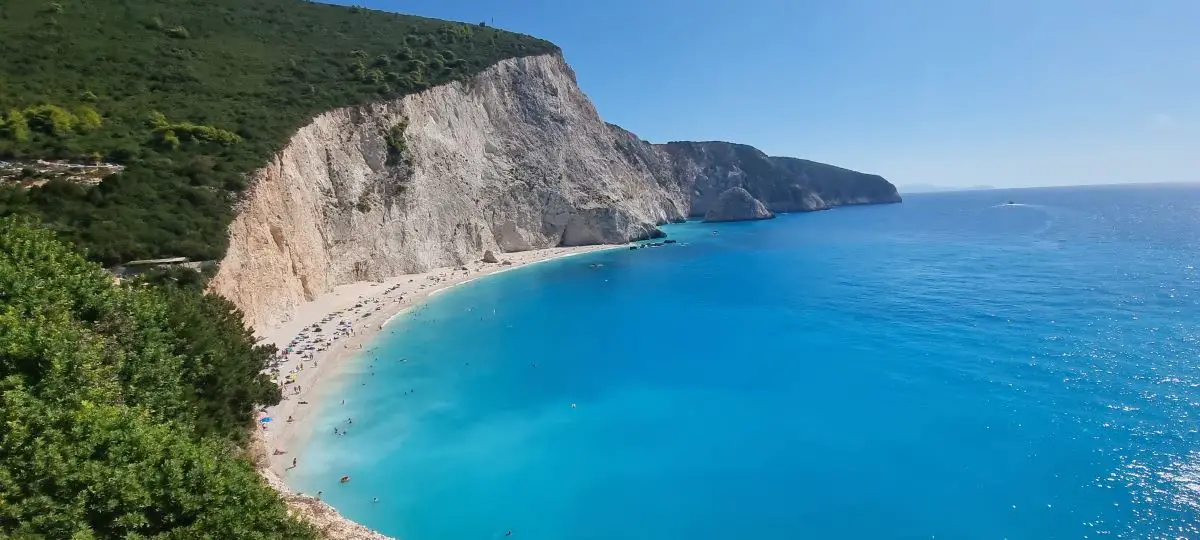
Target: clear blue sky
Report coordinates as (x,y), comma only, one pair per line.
(947,92)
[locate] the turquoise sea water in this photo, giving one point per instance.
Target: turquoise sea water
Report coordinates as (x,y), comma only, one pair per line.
(951,367)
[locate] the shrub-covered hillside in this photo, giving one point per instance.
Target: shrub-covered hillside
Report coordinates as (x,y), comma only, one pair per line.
(191,96)
(123,408)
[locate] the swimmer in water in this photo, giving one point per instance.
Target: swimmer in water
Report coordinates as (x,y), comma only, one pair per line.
(375,500)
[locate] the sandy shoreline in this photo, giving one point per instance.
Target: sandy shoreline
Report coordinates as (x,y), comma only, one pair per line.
(349,317)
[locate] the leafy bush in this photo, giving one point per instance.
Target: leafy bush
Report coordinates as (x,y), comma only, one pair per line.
(171,135)
(87,119)
(394,138)
(123,406)
(50,120)
(235,79)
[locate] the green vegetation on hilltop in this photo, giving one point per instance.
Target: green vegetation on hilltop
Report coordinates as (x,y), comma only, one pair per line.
(124,408)
(192,96)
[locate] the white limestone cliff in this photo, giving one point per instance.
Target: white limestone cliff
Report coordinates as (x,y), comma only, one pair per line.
(515,159)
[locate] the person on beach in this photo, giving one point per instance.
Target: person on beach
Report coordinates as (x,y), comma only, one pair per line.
(293,463)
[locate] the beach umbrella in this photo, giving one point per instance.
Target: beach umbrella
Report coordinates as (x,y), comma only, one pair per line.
(265,419)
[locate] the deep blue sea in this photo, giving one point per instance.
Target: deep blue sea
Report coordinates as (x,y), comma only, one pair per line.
(950,367)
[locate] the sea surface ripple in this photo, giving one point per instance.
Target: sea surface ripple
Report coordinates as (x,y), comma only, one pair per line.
(950,367)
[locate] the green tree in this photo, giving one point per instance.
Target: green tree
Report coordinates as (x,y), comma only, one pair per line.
(87,119)
(123,406)
(97,470)
(16,126)
(232,80)
(50,119)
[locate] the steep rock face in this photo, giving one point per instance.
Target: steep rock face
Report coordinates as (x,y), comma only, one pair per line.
(837,186)
(782,184)
(737,204)
(514,159)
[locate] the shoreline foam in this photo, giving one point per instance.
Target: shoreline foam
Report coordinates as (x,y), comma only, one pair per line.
(364,303)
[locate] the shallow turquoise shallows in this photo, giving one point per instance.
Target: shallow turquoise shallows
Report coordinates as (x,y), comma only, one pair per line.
(952,367)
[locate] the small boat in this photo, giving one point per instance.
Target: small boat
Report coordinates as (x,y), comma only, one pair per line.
(1011,202)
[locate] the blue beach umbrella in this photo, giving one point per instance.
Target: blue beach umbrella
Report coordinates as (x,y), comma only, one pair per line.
(265,419)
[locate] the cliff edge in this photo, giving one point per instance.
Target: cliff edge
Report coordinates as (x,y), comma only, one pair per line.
(515,158)
(783,184)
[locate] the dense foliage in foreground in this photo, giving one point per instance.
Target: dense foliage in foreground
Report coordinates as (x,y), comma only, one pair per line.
(192,95)
(124,408)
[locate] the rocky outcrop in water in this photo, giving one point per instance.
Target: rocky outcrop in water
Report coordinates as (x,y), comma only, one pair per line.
(737,204)
(514,159)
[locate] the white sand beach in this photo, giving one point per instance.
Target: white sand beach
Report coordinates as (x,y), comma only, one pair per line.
(348,318)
